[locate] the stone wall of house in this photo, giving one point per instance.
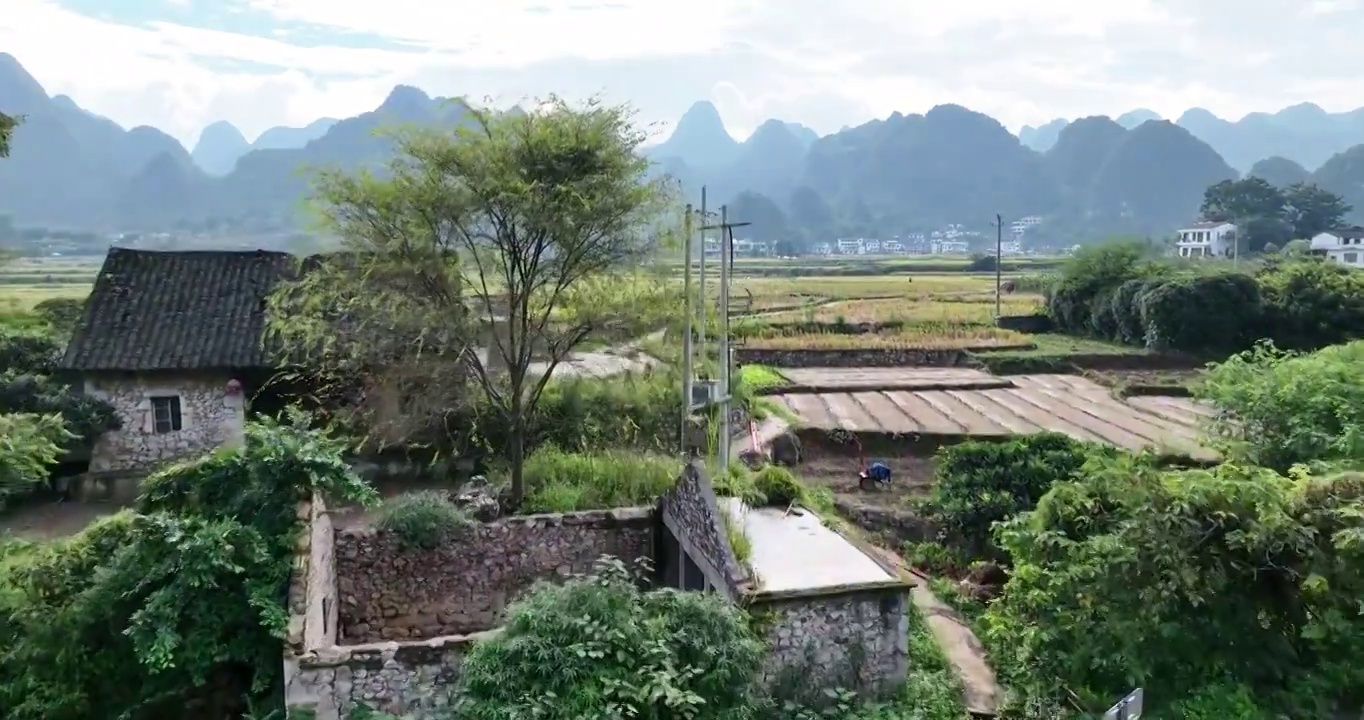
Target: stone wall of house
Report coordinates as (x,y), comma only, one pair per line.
(388,592)
(857,639)
(210,417)
(690,513)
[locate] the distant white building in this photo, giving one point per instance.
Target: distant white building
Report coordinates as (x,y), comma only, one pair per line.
(1023,225)
(851,246)
(1206,239)
(1344,246)
(951,247)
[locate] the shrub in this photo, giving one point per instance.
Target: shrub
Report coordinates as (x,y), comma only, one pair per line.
(1310,304)
(1125,306)
(980,483)
(598,647)
(175,609)
(29,445)
(1176,314)
(778,487)
(1092,272)
(1278,408)
(425,519)
(1175,579)
(558,481)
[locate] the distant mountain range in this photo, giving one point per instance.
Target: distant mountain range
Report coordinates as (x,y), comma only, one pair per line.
(222,144)
(1089,178)
(1304,133)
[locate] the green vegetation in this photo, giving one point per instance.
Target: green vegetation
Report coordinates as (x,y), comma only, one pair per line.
(425,519)
(559,481)
(1121,293)
(455,223)
(176,604)
(1232,590)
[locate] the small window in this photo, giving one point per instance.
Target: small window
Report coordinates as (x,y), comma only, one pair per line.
(166,414)
(1351,258)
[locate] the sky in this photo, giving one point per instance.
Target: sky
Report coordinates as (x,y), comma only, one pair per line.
(179,65)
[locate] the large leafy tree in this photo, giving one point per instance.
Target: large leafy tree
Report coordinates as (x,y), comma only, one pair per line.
(1239,200)
(1313,210)
(532,224)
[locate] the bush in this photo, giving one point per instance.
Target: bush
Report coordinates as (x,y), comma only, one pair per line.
(176,609)
(1310,304)
(980,483)
(1091,273)
(425,519)
(29,445)
(778,487)
(1176,313)
(558,481)
(1175,579)
(598,647)
(1278,408)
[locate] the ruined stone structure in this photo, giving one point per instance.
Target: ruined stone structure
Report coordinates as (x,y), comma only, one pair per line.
(375,624)
(391,593)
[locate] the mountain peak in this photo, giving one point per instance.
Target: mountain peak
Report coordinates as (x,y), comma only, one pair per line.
(219,147)
(405,100)
(1133,118)
(20,92)
(700,137)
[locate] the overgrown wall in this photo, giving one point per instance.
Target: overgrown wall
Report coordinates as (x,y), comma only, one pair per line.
(388,592)
(855,639)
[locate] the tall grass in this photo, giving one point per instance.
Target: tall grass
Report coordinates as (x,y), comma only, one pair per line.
(558,481)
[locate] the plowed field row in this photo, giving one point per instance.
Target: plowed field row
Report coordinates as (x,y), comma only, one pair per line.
(1060,403)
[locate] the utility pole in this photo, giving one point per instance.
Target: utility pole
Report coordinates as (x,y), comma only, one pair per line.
(999,264)
(722,402)
(701,332)
(687,399)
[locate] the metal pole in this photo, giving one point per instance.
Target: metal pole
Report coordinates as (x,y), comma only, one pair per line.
(686,336)
(701,331)
(725,269)
(999,254)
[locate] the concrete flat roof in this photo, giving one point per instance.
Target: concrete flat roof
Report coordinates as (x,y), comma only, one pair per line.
(794,553)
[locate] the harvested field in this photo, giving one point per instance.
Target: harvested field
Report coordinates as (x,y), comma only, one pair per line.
(1067,404)
(818,380)
(927,337)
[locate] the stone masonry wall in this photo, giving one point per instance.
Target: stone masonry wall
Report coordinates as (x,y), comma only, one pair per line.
(414,680)
(209,418)
(858,639)
(690,513)
(387,592)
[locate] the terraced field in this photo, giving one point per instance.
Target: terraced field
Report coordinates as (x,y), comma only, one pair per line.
(1067,404)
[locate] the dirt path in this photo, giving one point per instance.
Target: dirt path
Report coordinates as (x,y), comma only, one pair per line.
(963,649)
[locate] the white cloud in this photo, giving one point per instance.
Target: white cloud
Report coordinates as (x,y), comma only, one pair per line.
(823,64)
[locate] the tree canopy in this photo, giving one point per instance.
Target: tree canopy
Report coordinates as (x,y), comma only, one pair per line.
(484,255)
(1271,215)
(7,125)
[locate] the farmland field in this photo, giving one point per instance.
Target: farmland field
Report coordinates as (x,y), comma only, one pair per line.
(26,282)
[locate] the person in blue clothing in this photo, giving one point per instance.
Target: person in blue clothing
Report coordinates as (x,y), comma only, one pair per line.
(877,472)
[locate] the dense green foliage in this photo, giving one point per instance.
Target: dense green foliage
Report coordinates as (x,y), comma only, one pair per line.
(1266,214)
(598,647)
(1122,292)
(1182,580)
(40,418)
(1278,409)
(176,608)
(980,483)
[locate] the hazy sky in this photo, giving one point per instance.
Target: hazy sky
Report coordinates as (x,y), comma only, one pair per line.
(181,64)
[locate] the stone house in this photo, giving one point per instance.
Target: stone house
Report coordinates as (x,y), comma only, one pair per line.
(173,340)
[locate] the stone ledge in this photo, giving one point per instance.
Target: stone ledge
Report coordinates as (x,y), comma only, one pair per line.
(608,518)
(865,357)
(412,652)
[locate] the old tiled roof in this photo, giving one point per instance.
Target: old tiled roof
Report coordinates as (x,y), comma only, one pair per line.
(196,310)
